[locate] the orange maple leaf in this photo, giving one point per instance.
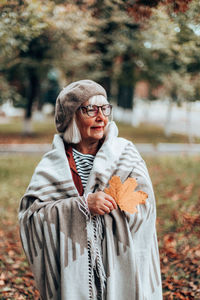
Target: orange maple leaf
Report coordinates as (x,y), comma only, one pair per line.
(124,194)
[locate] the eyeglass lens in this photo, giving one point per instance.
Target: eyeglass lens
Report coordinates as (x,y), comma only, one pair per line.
(92,110)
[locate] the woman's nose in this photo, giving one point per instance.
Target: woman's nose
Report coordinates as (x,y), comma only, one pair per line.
(100,115)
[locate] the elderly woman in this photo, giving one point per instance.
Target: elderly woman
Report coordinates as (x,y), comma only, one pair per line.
(79,243)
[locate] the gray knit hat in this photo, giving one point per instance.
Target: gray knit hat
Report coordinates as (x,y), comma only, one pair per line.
(71,97)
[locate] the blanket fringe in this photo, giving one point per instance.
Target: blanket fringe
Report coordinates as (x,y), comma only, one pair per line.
(95,236)
(83,206)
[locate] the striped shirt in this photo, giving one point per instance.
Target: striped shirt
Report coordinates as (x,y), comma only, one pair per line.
(84,163)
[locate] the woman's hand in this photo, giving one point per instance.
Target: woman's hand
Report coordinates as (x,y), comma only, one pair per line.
(101,203)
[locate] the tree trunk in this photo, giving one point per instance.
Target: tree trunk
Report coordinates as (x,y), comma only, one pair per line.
(32,91)
(125,96)
(106,83)
(126,84)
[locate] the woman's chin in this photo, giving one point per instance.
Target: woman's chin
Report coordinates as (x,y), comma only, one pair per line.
(97,136)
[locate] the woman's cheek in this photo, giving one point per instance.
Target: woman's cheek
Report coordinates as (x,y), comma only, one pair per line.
(89,123)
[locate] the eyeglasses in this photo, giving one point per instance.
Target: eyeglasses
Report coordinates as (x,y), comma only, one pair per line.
(93,110)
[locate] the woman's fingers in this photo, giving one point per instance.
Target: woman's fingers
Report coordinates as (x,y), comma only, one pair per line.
(106,208)
(109,204)
(101,203)
(101,212)
(111,200)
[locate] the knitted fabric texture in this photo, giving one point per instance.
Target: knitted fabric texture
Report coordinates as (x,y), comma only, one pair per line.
(71,97)
(84,163)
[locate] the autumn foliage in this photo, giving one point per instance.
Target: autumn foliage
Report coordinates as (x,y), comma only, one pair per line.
(141,9)
(124,194)
(16,279)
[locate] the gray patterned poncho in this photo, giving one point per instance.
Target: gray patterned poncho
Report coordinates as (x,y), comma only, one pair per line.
(55,228)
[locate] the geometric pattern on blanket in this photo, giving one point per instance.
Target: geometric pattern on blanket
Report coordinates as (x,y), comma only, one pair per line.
(50,207)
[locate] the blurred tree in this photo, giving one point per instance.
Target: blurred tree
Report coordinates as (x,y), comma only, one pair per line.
(70,26)
(116,42)
(114,36)
(172,44)
(23,45)
(173,39)
(35,37)
(50,88)
(101,39)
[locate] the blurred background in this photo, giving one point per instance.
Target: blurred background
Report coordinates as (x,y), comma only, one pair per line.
(147,56)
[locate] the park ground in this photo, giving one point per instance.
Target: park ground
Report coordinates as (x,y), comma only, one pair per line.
(176,185)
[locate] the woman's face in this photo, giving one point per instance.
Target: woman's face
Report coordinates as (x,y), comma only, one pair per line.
(91,128)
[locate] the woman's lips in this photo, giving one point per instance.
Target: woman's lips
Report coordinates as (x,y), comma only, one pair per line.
(97,128)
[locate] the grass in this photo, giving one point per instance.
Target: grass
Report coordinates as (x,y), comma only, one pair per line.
(177,190)
(148,133)
(15,174)
(12,132)
(176,185)
(15,126)
(44,131)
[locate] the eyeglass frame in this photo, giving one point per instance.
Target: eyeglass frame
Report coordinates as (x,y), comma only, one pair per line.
(98,107)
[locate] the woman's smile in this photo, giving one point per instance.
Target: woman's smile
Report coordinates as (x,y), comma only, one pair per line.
(98,128)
